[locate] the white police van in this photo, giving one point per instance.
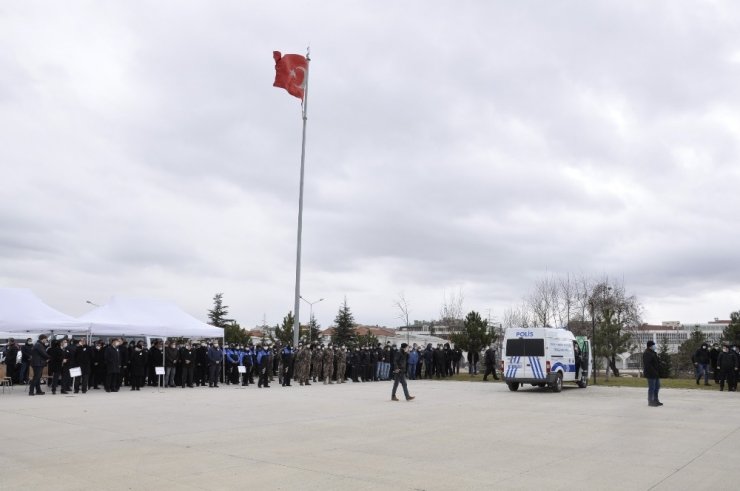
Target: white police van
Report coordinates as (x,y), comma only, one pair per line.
(545,356)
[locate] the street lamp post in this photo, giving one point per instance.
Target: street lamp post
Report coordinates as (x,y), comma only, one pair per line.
(593,339)
(310,308)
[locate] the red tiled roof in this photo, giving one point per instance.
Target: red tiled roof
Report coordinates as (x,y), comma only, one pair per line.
(364,330)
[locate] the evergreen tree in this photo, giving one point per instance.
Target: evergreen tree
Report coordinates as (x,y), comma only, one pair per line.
(218,313)
(236,334)
(310,332)
(666,364)
(612,339)
(368,339)
(344,330)
(474,335)
(731,334)
(284,333)
(683,359)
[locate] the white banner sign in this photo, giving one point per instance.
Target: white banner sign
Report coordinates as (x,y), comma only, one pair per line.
(159,370)
(75,372)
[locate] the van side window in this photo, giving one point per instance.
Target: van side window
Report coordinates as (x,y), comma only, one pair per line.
(525,347)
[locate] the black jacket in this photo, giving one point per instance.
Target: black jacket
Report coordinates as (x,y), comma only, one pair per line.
(187,355)
(83,357)
(11,354)
(490,357)
(139,360)
(400,360)
(26,353)
(112,360)
(651,364)
(170,356)
(727,361)
(701,356)
(39,355)
(56,355)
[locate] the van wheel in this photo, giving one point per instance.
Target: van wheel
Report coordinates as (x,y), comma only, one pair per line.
(557,386)
(583,383)
(513,386)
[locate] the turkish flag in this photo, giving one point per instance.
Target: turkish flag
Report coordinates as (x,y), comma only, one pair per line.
(290,73)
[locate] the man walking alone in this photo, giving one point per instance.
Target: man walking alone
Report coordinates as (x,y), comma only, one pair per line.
(399,372)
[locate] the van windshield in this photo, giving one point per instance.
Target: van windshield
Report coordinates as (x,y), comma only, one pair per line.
(525,347)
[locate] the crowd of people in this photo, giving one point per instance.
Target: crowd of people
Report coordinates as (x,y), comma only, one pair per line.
(722,362)
(74,366)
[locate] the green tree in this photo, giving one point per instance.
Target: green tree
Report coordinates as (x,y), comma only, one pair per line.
(731,334)
(474,334)
(236,334)
(310,332)
(666,363)
(284,333)
(368,339)
(218,313)
(612,339)
(683,359)
(344,330)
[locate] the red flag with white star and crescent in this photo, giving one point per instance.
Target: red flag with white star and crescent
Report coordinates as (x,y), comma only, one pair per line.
(290,73)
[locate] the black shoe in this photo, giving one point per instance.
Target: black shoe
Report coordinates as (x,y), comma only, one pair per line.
(31,393)
(658,403)
(652,404)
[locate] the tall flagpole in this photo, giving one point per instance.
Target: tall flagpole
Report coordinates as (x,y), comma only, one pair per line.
(296,319)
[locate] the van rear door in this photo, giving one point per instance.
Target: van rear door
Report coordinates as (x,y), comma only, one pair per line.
(524,358)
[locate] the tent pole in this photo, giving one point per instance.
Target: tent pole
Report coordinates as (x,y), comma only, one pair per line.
(164,347)
(223,350)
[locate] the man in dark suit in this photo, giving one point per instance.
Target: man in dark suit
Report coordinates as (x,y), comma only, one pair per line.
(83,359)
(38,361)
(112,366)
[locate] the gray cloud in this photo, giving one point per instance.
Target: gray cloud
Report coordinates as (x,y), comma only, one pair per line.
(465,145)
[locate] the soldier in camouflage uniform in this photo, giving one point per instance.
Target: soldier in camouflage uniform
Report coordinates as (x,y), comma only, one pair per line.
(328,363)
(341,364)
(303,365)
(316,362)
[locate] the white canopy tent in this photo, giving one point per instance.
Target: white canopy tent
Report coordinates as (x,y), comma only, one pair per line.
(23,314)
(133,316)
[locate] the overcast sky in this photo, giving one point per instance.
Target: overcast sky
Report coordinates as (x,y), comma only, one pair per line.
(474,146)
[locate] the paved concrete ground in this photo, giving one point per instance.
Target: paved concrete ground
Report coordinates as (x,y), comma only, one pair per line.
(455,435)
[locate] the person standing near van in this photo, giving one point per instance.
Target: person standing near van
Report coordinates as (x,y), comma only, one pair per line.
(490,359)
(651,367)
